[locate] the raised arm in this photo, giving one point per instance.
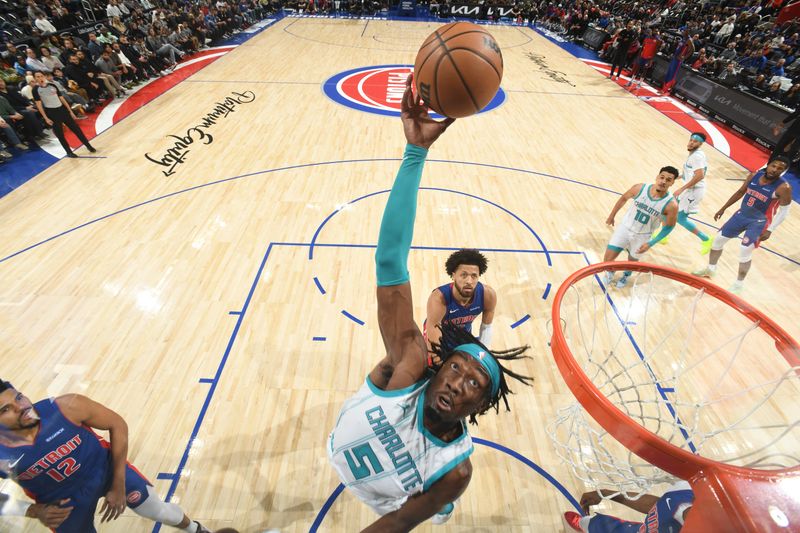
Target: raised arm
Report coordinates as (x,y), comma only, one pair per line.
(489,305)
(436,309)
(404,363)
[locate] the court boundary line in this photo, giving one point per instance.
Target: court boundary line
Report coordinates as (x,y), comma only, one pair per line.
(345,161)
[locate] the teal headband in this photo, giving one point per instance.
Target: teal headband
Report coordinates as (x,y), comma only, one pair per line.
(487,362)
(697,138)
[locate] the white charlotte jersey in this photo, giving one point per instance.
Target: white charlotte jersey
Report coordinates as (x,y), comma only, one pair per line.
(383,453)
(644,216)
(696,160)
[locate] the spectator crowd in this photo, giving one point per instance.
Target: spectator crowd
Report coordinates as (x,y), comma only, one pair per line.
(738,43)
(93,53)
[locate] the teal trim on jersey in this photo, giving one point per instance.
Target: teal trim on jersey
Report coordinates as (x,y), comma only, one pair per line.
(430,436)
(447,468)
(666,204)
(615,248)
(447,509)
(392,393)
(638,194)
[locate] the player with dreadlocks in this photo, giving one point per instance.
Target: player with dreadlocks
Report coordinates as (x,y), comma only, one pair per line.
(401,443)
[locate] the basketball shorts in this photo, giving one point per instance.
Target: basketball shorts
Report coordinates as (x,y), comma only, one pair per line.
(689,200)
(624,239)
(601,523)
(644,61)
(752,225)
(84,500)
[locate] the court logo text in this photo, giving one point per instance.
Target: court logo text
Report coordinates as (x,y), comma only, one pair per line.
(379,89)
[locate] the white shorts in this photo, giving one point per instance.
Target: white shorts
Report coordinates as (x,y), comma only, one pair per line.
(624,239)
(689,200)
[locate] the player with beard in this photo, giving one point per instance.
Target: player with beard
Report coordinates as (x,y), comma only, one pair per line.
(463,300)
(401,443)
(49,449)
(766,197)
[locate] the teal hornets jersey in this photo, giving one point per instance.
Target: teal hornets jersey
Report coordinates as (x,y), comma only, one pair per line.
(644,216)
(383,453)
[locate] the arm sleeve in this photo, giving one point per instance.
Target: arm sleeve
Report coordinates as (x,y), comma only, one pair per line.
(665,230)
(780,216)
(485,335)
(397,225)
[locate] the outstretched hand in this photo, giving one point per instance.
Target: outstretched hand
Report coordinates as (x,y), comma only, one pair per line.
(420,129)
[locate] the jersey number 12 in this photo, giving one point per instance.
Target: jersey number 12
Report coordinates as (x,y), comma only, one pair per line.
(356,456)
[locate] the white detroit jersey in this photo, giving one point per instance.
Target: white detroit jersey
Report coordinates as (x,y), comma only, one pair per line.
(696,160)
(644,216)
(383,453)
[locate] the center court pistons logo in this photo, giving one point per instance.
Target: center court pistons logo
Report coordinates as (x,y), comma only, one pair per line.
(379,89)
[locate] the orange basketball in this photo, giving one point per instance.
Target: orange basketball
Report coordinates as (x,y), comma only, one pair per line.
(458,69)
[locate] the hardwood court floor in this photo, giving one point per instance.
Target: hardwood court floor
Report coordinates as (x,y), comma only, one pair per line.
(206,274)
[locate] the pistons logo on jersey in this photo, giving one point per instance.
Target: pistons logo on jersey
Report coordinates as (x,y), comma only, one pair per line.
(379,89)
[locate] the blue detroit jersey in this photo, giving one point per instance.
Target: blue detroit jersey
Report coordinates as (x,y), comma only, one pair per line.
(759,198)
(456,314)
(666,516)
(62,457)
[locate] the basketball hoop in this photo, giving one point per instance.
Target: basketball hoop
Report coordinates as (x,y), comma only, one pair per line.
(677,370)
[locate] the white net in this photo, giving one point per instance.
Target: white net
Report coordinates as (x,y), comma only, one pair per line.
(685,366)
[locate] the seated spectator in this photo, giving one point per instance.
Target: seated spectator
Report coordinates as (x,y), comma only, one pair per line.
(729,54)
(729,77)
(33,63)
(44,25)
(774,92)
(50,61)
(20,65)
(792,97)
(112,10)
(32,127)
(158,44)
(700,60)
(8,116)
(84,79)
(106,65)
(725,31)
(95,47)
(118,26)
(778,70)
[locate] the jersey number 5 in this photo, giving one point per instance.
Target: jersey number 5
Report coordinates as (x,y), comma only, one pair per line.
(358,466)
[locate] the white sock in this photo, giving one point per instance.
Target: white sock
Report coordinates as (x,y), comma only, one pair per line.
(712,268)
(191,528)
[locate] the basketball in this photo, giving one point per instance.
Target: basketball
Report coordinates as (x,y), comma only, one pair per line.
(226,530)
(458,69)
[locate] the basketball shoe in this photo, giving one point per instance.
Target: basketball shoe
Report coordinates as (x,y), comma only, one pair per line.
(737,287)
(444,515)
(623,280)
(572,520)
(705,272)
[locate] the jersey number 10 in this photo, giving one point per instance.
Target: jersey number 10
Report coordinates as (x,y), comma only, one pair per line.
(641,217)
(356,456)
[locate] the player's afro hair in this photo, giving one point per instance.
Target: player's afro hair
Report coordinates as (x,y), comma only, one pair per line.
(453,336)
(466,256)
